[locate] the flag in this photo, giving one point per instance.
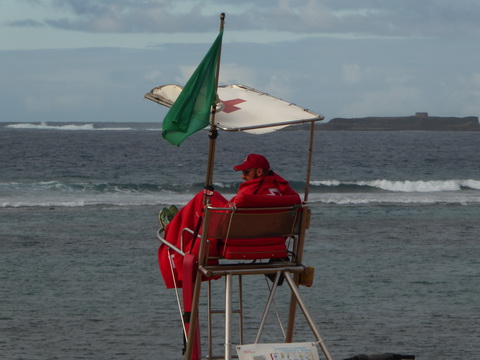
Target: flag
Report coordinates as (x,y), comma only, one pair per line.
(191,111)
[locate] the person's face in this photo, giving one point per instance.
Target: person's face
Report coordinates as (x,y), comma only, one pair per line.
(251,174)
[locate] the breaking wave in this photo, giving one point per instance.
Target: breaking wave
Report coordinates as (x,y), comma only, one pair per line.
(55,193)
(58,194)
(423,186)
(66,127)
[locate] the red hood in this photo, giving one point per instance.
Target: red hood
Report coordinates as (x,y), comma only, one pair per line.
(272,184)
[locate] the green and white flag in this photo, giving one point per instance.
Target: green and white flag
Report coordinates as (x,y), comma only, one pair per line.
(191,110)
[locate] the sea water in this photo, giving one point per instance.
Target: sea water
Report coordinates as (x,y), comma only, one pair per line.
(394,237)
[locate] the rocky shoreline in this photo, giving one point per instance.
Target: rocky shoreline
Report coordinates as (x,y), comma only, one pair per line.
(417,122)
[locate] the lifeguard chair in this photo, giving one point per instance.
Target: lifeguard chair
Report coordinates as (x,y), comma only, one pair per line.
(263,237)
(235,231)
(245,241)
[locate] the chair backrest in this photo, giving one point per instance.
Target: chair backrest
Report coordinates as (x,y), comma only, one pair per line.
(234,223)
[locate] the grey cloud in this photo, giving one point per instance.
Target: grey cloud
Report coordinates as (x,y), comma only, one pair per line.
(351,78)
(26,23)
(407,18)
(128,16)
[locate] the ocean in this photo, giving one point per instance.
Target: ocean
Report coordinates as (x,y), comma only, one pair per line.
(394,237)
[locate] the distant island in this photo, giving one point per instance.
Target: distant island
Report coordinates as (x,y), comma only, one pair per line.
(419,121)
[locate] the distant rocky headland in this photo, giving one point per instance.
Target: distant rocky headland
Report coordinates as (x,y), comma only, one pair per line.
(419,121)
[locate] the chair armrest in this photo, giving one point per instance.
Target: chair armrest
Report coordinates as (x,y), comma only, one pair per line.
(166,243)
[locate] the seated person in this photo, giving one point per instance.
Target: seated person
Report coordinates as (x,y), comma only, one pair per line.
(258,178)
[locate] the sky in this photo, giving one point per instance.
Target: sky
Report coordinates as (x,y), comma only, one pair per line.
(93,60)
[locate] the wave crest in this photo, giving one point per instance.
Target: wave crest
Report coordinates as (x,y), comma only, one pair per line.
(67,127)
(398,185)
(55,193)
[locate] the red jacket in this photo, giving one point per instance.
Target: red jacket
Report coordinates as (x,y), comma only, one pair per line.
(272,184)
(189,215)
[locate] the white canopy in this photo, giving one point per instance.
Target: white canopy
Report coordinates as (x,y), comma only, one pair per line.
(244,109)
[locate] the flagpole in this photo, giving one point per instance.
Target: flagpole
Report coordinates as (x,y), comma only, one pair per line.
(309,166)
(212,134)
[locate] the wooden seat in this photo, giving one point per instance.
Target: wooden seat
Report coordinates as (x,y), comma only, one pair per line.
(251,233)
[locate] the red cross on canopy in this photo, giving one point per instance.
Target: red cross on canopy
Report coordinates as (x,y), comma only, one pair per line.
(229,105)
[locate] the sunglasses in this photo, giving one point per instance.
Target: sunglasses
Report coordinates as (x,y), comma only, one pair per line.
(247,171)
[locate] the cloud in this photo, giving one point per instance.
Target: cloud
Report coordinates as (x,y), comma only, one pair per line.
(476,82)
(465,89)
(235,73)
(129,16)
(406,18)
(80,85)
(351,73)
(344,73)
(44,103)
(395,101)
(26,23)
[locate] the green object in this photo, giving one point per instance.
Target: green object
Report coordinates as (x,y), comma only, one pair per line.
(166,215)
(191,111)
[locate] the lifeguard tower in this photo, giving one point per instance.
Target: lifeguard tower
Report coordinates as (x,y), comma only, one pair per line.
(261,236)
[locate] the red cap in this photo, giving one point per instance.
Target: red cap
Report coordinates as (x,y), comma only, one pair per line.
(253,161)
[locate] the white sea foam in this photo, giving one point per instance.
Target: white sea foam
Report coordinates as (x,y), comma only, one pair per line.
(120,198)
(56,193)
(115,199)
(329,183)
(415,186)
(69,127)
(407,185)
(396,198)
